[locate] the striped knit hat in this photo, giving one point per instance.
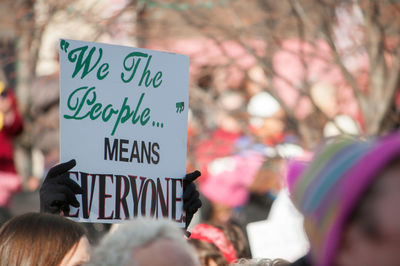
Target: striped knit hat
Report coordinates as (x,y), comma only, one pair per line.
(329,189)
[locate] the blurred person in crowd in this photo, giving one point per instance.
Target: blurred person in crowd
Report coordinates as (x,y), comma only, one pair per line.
(10,126)
(267,118)
(261,262)
(349,196)
(144,241)
(325,97)
(229,128)
(219,244)
(266,185)
(43,240)
(58,192)
(227,186)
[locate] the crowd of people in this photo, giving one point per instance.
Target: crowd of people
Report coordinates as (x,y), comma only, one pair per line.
(348,194)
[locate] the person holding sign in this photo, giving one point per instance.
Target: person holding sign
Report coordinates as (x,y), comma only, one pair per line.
(123,118)
(58,192)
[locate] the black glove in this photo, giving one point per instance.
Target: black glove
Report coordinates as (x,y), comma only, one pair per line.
(58,190)
(191,200)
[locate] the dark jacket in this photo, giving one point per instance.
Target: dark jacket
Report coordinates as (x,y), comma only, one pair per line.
(303,261)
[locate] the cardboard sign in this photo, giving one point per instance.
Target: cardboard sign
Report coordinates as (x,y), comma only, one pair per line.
(123,117)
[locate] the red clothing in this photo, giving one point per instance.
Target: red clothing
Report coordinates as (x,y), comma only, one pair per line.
(7,133)
(220,144)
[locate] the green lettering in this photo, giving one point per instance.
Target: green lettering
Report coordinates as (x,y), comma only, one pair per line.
(103,71)
(146,73)
(145,117)
(125,109)
(95,108)
(82,62)
(77,107)
(157,78)
(133,66)
(106,117)
(136,118)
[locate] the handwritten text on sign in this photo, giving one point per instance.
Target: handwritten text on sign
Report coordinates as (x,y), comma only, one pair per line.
(123,118)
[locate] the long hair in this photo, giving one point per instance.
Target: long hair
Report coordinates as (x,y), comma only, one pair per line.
(38,239)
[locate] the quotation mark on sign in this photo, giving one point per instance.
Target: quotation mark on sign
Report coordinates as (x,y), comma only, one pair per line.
(180,106)
(64,45)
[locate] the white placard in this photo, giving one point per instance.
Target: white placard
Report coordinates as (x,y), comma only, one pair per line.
(123,117)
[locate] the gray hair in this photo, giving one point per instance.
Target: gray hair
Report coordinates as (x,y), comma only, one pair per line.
(116,248)
(260,262)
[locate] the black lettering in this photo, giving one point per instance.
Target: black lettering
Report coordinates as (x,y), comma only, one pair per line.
(86,202)
(122,149)
(121,200)
(146,152)
(153,198)
(164,204)
(135,152)
(175,199)
(110,152)
(77,209)
(135,195)
(103,196)
(155,148)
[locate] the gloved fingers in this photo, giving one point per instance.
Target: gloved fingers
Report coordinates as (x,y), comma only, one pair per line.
(188,219)
(187,233)
(191,200)
(57,201)
(188,191)
(70,197)
(192,208)
(65,208)
(190,177)
(61,168)
(76,189)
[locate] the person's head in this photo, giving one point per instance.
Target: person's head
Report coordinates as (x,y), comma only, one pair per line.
(43,239)
(219,244)
(349,195)
(261,262)
(144,241)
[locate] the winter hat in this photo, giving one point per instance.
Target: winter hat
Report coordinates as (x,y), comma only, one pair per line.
(214,235)
(330,188)
(230,177)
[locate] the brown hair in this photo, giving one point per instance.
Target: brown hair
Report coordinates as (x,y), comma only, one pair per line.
(207,252)
(235,235)
(38,239)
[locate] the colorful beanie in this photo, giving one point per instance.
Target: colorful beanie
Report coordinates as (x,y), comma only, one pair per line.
(329,189)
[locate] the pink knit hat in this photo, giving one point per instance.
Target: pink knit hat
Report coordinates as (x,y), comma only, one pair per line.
(229,183)
(329,189)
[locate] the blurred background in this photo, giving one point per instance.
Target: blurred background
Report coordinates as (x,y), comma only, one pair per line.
(268,81)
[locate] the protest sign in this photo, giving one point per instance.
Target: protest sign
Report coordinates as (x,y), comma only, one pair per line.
(123,117)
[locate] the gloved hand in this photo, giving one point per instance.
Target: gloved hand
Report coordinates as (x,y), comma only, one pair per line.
(58,190)
(191,200)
